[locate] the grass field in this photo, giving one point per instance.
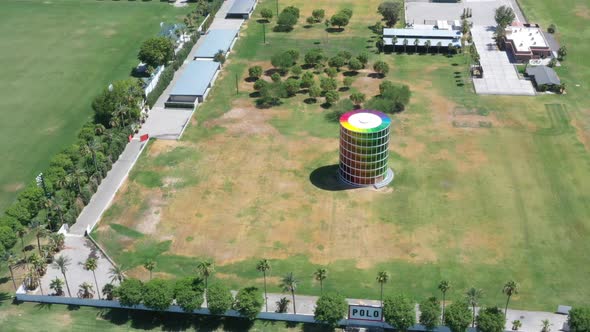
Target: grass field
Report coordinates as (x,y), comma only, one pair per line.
(56,56)
(487,189)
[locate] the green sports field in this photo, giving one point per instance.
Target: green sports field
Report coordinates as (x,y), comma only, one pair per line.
(56,56)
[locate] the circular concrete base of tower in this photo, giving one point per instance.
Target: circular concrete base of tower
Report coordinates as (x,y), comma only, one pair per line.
(389,175)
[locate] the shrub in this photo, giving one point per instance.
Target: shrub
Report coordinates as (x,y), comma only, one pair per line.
(552,28)
(283,61)
(458,316)
(291,86)
(579,319)
(7,237)
(357,98)
(331,97)
(328,84)
(381,68)
(156,51)
(337,62)
(355,65)
(292,10)
(363,58)
(249,302)
(296,70)
(188,293)
(275,77)
(318,15)
(219,299)
(314,56)
(331,72)
(165,79)
(430,313)
(399,312)
(347,82)
(266,13)
(260,84)
(307,79)
(130,292)
(330,309)
(255,71)
(490,320)
(157,294)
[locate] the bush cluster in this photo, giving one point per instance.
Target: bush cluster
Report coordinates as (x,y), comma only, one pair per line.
(287,19)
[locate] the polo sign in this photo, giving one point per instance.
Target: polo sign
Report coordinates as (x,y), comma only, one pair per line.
(362,312)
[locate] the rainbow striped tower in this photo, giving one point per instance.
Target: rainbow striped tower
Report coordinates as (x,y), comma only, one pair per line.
(364,144)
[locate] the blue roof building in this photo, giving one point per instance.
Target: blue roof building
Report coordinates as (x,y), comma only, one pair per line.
(194,84)
(241,9)
(214,41)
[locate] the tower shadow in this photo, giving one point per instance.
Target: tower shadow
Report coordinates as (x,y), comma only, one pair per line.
(326,178)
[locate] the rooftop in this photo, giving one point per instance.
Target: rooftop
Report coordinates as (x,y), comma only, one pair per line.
(543,75)
(525,37)
(417,33)
(241,7)
(215,40)
(196,78)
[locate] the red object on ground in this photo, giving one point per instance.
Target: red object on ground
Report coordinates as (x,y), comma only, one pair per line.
(130,138)
(144,137)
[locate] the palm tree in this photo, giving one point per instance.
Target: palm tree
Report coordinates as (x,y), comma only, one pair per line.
(150,265)
(91,265)
(57,240)
(92,148)
(10,262)
(510,288)
(57,285)
(382,278)
(473,295)
(41,231)
(394,41)
(289,284)
(206,268)
(21,232)
(86,291)
(438,46)
(62,264)
(320,275)
(427,45)
(405,44)
(78,176)
(57,204)
(263,266)
(117,274)
(444,287)
(450,48)
(416,42)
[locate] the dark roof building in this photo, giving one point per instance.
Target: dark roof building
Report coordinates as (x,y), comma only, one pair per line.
(543,75)
(241,9)
(194,84)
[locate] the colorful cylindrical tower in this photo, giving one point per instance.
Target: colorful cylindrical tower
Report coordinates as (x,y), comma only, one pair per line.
(364,144)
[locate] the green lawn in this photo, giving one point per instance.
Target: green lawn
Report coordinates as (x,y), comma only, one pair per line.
(56,56)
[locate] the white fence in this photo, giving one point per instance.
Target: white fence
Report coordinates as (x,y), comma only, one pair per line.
(154,80)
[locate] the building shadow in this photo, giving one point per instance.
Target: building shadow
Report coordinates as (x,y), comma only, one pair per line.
(326,178)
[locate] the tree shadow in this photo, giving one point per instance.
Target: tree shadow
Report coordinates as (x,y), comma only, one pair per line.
(250,79)
(343,89)
(326,178)
(350,73)
(262,21)
(331,30)
(310,101)
(307,26)
(255,94)
(376,75)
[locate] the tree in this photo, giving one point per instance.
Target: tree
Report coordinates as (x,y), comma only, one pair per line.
(330,309)
(150,265)
(219,299)
(340,20)
(551,28)
(248,302)
(510,288)
(355,65)
(157,294)
(328,84)
(382,279)
(307,80)
(117,274)
(205,269)
(504,16)
(347,82)
(21,232)
(357,98)
(363,58)
(579,319)
(438,46)
(458,316)
(331,96)
(156,51)
(41,231)
(85,291)
(473,295)
(381,67)
(10,260)
(264,266)
(130,292)
(266,13)
(337,62)
(255,72)
(296,70)
(490,320)
(108,291)
(320,275)
(91,265)
(416,43)
(313,57)
(331,72)
(430,313)
(188,293)
(260,84)
(427,44)
(405,42)
(124,93)
(289,284)
(444,286)
(285,22)
(318,15)
(275,77)
(58,286)
(399,312)
(291,86)
(390,11)
(282,61)
(62,264)
(561,53)
(219,57)
(314,91)
(7,237)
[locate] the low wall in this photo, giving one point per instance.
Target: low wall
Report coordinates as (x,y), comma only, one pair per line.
(22,296)
(154,81)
